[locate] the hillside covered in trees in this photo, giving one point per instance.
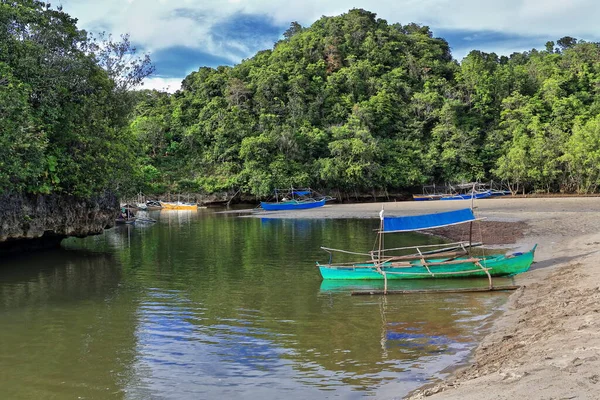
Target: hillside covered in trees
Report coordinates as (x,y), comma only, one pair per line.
(354,103)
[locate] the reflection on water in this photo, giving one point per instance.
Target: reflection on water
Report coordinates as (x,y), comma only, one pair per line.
(202,305)
(67,327)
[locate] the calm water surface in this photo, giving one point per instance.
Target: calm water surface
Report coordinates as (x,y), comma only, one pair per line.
(204,305)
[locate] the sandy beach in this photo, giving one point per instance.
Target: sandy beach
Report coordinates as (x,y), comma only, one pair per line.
(547,343)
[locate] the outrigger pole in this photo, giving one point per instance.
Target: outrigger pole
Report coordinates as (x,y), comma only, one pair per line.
(471,223)
(477,263)
(379,263)
(423,291)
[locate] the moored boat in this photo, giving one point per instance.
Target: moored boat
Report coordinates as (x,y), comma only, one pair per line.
(152,205)
(292,205)
(431,192)
(444,267)
(178,206)
(295,199)
(453,260)
(126,216)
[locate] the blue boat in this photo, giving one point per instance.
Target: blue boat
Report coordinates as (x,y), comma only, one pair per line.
(295,199)
(292,205)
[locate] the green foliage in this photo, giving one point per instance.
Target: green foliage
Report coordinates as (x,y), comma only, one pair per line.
(350,103)
(353,103)
(330,106)
(23,144)
(62,115)
(582,156)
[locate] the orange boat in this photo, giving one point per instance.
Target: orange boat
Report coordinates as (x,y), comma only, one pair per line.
(178,206)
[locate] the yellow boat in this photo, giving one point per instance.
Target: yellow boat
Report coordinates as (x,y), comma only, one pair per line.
(178,206)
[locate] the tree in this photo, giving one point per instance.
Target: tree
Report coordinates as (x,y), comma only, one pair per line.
(582,156)
(119,60)
(68,124)
(294,29)
(566,42)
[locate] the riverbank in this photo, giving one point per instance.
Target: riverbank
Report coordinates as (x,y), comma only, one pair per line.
(547,343)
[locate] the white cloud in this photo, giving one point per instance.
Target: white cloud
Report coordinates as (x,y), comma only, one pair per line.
(155,24)
(170,85)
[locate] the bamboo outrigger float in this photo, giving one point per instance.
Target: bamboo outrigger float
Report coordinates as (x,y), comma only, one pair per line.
(454,260)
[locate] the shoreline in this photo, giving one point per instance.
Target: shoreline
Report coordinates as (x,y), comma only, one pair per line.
(546,343)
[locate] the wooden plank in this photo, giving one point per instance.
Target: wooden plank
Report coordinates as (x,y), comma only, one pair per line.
(423,291)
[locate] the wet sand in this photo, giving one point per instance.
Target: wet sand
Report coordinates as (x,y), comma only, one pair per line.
(547,343)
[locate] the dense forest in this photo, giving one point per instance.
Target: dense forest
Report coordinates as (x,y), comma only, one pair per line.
(356,104)
(351,104)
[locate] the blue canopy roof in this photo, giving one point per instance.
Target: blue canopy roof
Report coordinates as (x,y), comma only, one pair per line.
(428,221)
(301,192)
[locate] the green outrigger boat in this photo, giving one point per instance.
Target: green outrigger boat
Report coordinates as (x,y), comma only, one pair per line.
(450,260)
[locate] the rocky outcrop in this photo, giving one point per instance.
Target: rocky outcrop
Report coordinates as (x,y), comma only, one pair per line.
(42,221)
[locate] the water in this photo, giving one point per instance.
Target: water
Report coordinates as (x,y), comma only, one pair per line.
(204,305)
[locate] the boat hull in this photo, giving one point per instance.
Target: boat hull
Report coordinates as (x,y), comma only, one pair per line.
(499,265)
(426,197)
(177,206)
(125,221)
(468,196)
(291,205)
(496,193)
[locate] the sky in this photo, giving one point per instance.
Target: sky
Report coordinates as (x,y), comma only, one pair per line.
(183,35)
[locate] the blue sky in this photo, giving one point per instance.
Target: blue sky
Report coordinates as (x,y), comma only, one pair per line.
(183,35)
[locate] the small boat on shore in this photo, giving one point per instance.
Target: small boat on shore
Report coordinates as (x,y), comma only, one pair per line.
(295,199)
(499,192)
(460,191)
(292,205)
(153,205)
(431,192)
(427,197)
(453,260)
